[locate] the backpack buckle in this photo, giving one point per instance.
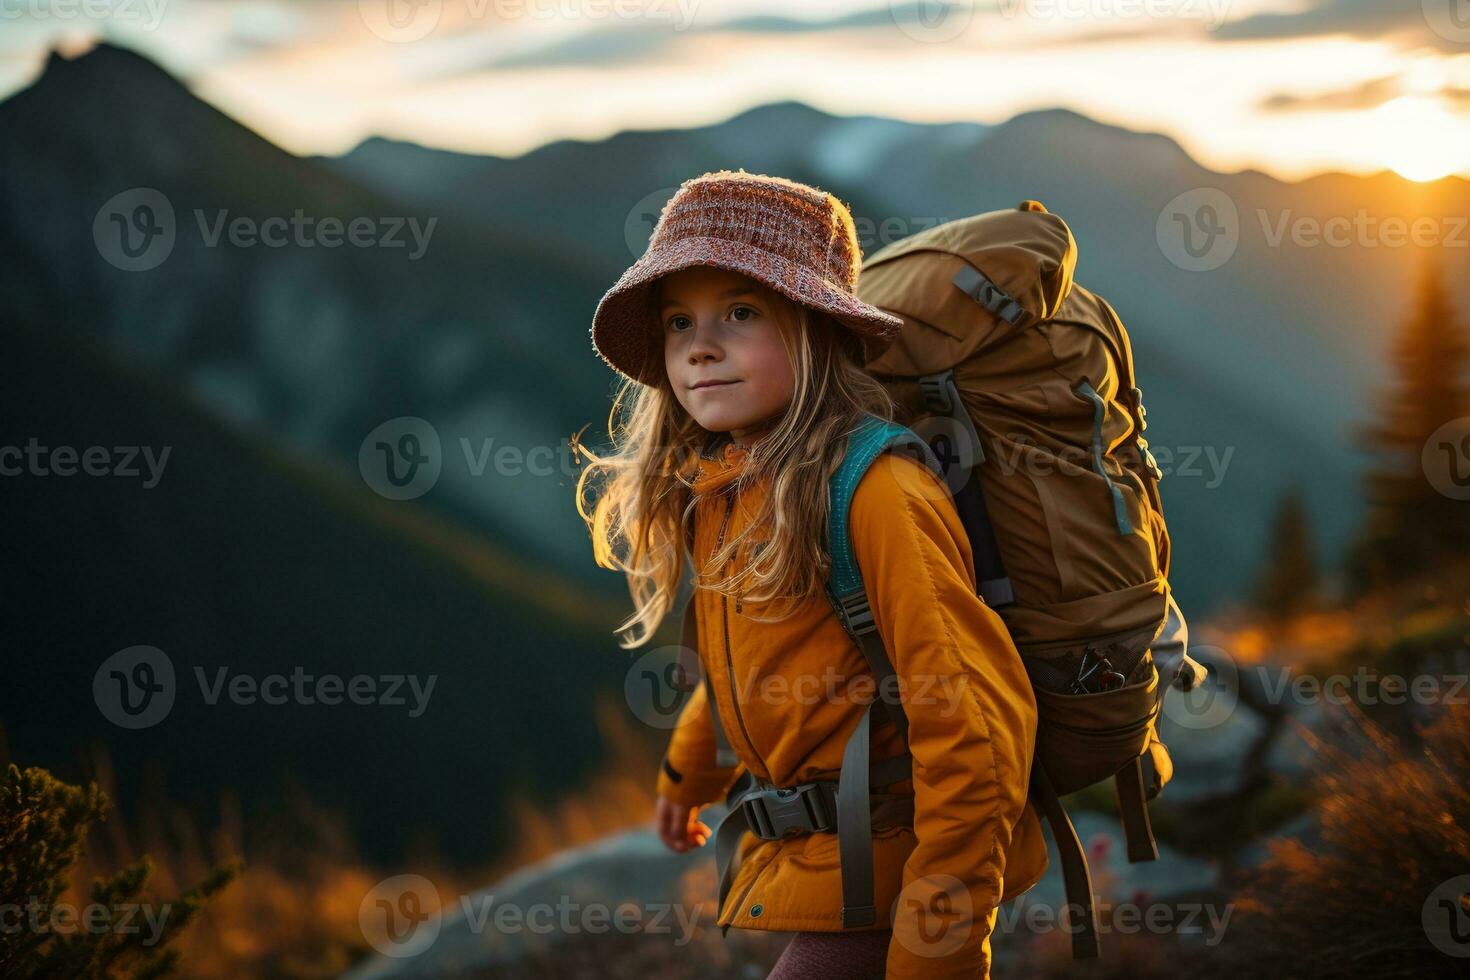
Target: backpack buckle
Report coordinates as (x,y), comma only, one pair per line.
(854,611)
(774,812)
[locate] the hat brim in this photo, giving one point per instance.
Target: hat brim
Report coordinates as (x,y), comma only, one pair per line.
(623,326)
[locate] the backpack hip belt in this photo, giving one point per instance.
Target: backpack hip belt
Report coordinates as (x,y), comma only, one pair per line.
(844,806)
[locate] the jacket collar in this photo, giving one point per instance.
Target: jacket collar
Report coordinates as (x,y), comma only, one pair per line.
(718,465)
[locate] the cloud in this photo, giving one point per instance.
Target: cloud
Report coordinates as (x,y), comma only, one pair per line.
(1366,95)
(882,15)
(627,45)
(1359,18)
(640,42)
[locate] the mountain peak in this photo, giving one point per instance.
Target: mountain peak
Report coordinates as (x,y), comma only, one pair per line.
(109,65)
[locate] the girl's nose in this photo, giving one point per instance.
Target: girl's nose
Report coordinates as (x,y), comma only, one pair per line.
(705,344)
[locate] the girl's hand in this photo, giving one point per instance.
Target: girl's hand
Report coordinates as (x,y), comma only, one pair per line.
(677,826)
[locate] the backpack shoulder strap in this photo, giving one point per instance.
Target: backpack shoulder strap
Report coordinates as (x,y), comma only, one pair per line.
(872,437)
(845,588)
(849,598)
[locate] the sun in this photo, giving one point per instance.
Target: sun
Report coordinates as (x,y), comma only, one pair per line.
(1421,139)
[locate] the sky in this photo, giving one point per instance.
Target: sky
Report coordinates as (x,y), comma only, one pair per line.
(1290,87)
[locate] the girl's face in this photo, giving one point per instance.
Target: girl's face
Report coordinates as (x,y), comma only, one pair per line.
(723,349)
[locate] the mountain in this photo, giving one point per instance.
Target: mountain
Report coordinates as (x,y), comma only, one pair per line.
(310,345)
(1257,371)
(238,561)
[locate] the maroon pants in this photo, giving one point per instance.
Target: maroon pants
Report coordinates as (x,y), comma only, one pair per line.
(857,955)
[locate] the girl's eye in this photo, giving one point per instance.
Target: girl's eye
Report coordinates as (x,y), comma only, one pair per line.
(676,321)
(747,309)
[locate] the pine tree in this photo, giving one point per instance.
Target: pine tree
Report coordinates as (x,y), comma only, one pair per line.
(1289,581)
(1410,525)
(43,823)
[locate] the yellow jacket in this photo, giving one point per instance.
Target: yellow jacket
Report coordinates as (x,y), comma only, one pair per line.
(780,695)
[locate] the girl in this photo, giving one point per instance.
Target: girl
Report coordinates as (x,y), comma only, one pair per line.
(742,345)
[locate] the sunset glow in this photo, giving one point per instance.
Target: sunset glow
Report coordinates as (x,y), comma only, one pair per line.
(1245,84)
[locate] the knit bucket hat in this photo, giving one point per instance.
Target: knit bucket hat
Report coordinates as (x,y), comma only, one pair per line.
(795,238)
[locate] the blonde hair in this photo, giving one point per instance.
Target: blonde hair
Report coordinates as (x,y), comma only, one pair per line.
(643,520)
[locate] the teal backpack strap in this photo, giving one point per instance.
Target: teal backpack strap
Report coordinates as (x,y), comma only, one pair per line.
(845,590)
(850,601)
(872,437)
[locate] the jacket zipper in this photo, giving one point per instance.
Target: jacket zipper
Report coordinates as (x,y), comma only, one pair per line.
(729,657)
(730,672)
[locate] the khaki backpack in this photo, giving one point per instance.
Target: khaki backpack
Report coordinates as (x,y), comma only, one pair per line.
(1014,384)
(1021,382)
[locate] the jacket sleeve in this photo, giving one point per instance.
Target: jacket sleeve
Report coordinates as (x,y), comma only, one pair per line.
(688,774)
(971,713)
